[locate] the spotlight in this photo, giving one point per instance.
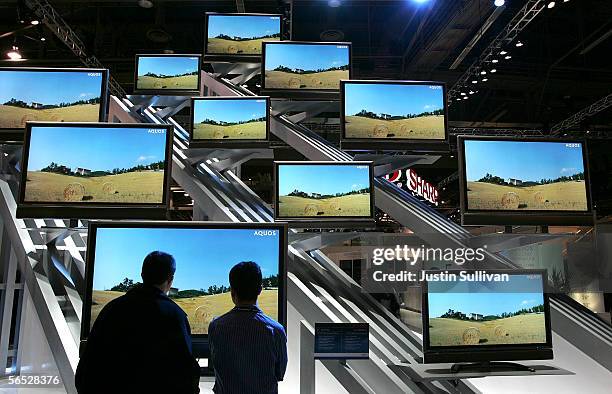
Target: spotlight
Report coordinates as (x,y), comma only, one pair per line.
(35,22)
(145,3)
(499,3)
(493,70)
(14,55)
(462,93)
(465,98)
(474,81)
(494,61)
(508,57)
(458,99)
(485,79)
(471,92)
(551,4)
(483,72)
(519,44)
(503,52)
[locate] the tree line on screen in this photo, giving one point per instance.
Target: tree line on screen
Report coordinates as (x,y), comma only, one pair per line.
(64,170)
(369,114)
(452,314)
(488,178)
(13,102)
(317,196)
(154,75)
(127,284)
(302,71)
(223,123)
(236,38)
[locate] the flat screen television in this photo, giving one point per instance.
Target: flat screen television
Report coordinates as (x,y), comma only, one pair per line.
(529,181)
(239,36)
(52,95)
(315,192)
(95,171)
(393,115)
(204,253)
(303,69)
(481,319)
(167,74)
(229,121)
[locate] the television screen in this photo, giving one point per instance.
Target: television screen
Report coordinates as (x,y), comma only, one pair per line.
(204,255)
(393,110)
(487,312)
(167,73)
(229,118)
(82,164)
(305,66)
(311,190)
(240,34)
(527,175)
(51,94)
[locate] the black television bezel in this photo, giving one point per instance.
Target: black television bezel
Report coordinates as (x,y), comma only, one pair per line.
(199,339)
(226,57)
(484,353)
(509,217)
(229,143)
(392,144)
(168,92)
(325,221)
(17,134)
(93,210)
(329,94)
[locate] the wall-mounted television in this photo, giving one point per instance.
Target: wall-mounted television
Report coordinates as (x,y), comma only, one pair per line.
(204,253)
(305,68)
(484,319)
(315,192)
(239,36)
(393,115)
(52,95)
(229,121)
(95,171)
(167,74)
(530,181)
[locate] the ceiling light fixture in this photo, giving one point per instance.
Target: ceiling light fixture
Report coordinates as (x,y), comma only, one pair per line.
(485,79)
(519,44)
(494,61)
(145,3)
(493,70)
(499,3)
(14,55)
(508,57)
(551,4)
(503,52)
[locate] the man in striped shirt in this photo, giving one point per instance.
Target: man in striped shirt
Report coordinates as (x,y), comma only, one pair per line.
(248,350)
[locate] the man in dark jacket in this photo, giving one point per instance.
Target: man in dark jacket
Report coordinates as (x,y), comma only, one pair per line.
(141,341)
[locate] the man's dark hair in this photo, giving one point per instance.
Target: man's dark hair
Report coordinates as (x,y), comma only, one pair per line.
(157,268)
(246,281)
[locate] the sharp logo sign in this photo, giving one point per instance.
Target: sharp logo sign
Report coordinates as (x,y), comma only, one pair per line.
(410,180)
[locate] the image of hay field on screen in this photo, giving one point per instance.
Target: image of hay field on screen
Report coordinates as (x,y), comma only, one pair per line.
(54,96)
(394,111)
(301,66)
(229,119)
(324,191)
(525,176)
(167,73)
(241,34)
(203,257)
(471,319)
(95,165)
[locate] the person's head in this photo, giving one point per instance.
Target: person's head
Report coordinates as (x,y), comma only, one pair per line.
(245,283)
(158,270)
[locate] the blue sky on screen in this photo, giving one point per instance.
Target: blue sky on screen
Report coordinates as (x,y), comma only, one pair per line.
(392,99)
(483,303)
(322,179)
(229,110)
(48,88)
(527,161)
(97,149)
(244,26)
(306,57)
(167,65)
(203,257)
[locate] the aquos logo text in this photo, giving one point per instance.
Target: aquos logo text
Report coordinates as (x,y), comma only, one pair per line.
(414,183)
(265,233)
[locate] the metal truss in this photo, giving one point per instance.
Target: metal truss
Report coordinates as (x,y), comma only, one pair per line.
(578,117)
(522,18)
(54,21)
(495,131)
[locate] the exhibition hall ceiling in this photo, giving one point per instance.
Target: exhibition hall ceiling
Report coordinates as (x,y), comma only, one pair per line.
(562,67)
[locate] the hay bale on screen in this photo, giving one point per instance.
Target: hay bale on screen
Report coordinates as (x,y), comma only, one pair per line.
(74,192)
(405,129)
(109,188)
(510,200)
(295,83)
(218,135)
(334,206)
(501,332)
(231,48)
(471,336)
(379,131)
(539,198)
(311,210)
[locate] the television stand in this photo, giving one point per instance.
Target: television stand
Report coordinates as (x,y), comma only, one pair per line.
(490,366)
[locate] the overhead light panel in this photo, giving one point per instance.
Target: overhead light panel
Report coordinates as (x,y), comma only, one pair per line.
(485,79)
(494,61)
(493,70)
(519,44)
(508,57)
(499,3)
(503,52)
(551,4)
